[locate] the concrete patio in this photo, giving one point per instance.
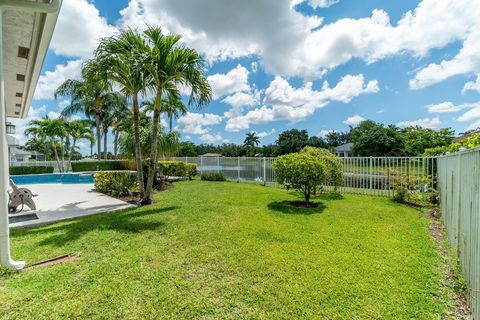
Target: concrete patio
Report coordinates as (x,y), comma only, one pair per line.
(57,202)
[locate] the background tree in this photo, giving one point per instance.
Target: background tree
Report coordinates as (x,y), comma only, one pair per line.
(251,141)
(77,130)
(334,138)
(187,149)
(373,139)
(417,139)
(316,142)
(291,141)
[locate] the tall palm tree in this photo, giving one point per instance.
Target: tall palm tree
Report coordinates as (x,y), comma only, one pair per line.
(171,65)
(251,141)
(87,95)
(123,57)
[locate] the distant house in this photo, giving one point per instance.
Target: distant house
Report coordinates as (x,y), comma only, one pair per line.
(211,155)
(344,150)
(18,155)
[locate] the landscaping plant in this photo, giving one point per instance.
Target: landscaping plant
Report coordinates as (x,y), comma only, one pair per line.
(116,183)
(304,172)
(213,176)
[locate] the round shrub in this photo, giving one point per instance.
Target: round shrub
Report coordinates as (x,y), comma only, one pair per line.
(301,171)
(334,174)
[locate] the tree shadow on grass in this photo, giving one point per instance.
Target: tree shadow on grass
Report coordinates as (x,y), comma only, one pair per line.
(125,221)
(287,207)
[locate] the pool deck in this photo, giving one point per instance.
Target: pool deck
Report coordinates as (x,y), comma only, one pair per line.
(58,202)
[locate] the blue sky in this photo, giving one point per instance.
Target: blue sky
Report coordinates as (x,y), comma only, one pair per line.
(318,65)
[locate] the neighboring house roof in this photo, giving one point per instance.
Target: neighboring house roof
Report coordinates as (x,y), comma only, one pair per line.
(211,155)
(344,147)
(11,140)
(18,152)
(26,37)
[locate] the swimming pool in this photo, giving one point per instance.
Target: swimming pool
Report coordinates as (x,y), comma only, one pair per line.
(63,178)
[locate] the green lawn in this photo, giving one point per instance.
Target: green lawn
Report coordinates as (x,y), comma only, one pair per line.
(230,250)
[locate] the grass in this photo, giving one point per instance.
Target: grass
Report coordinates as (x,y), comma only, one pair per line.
(229,250)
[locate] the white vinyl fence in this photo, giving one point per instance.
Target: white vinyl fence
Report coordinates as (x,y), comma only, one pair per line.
(459,187)
(363,175)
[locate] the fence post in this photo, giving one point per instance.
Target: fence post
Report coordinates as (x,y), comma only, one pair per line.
(371,173)
(238,169)
(264,171)
(201,165)
(218,164)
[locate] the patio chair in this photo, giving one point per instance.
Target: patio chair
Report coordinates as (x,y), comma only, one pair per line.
(20,197)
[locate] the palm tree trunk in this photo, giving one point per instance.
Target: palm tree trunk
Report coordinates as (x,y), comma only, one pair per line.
(99,140)
(55,152)
(105,135)
(62,148)
(153,153)
(91,150)
(115,144)
(138,150)
(72,149)
(170,116)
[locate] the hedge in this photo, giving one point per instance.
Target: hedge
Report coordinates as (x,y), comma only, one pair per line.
(30,170)
(100,166)
(213,176)
(116,183)
(176,169)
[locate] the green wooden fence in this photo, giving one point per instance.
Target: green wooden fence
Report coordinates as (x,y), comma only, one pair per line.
(459,187)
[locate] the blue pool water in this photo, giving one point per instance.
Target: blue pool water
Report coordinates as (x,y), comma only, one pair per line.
(64,178)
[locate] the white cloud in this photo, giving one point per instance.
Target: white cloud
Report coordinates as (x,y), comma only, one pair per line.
(195,123)
(265,134)
(53,115)
(254,66)
(354,120)
(470,115)
(212,138)
(323,133)
(322,3)
(472,85)
(51,80)
(22,124)
(283,102)
(466,61)
(236,80)
(431,123)
(443,107)
(294,44)
(78,29)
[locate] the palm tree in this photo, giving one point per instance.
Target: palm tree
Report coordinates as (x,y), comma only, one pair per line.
(123,57)
(115,108)
(171,65)
(78,130)
(87,95)
(251,141)
(53,131)
(173,107)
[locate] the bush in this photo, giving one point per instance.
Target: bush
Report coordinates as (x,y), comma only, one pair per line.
(301,171)
(213,176)
(30,170)
(116,183)
(168,169)
(101,165)
(334,174)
